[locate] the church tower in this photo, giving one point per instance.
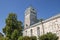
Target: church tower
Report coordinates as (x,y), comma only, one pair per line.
(30,17)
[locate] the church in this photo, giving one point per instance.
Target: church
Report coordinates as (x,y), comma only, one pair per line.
(34,27)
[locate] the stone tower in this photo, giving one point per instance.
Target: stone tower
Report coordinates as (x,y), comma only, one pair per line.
(30,17)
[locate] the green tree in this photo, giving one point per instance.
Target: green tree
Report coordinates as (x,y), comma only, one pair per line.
(12,27)
(48,36)
(15,35)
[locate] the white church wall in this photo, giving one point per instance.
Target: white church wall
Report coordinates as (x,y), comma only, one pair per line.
(53,26)
(50,25)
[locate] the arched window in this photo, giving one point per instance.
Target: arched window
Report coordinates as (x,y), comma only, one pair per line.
(31,32)
(26,26)
(38,31)
(26,33)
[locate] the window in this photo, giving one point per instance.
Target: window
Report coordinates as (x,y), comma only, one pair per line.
(26,33)
(31,32)
(26,25)
(38,31)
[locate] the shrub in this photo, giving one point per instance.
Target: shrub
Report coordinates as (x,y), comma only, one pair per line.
(26,38)
(48,36)
(20,38)
(1,38)
(6,38)
(33,38)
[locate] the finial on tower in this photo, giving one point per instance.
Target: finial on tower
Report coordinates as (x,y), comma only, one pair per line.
(30,7)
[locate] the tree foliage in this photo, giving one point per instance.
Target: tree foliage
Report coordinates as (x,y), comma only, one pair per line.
(13,27)
(15,35)
(48,36)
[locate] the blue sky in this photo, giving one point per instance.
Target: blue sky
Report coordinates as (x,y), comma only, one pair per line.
(44,8)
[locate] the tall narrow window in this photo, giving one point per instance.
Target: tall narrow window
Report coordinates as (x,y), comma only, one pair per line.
(38,31)
(31,32)
(26,26)
(26,33)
